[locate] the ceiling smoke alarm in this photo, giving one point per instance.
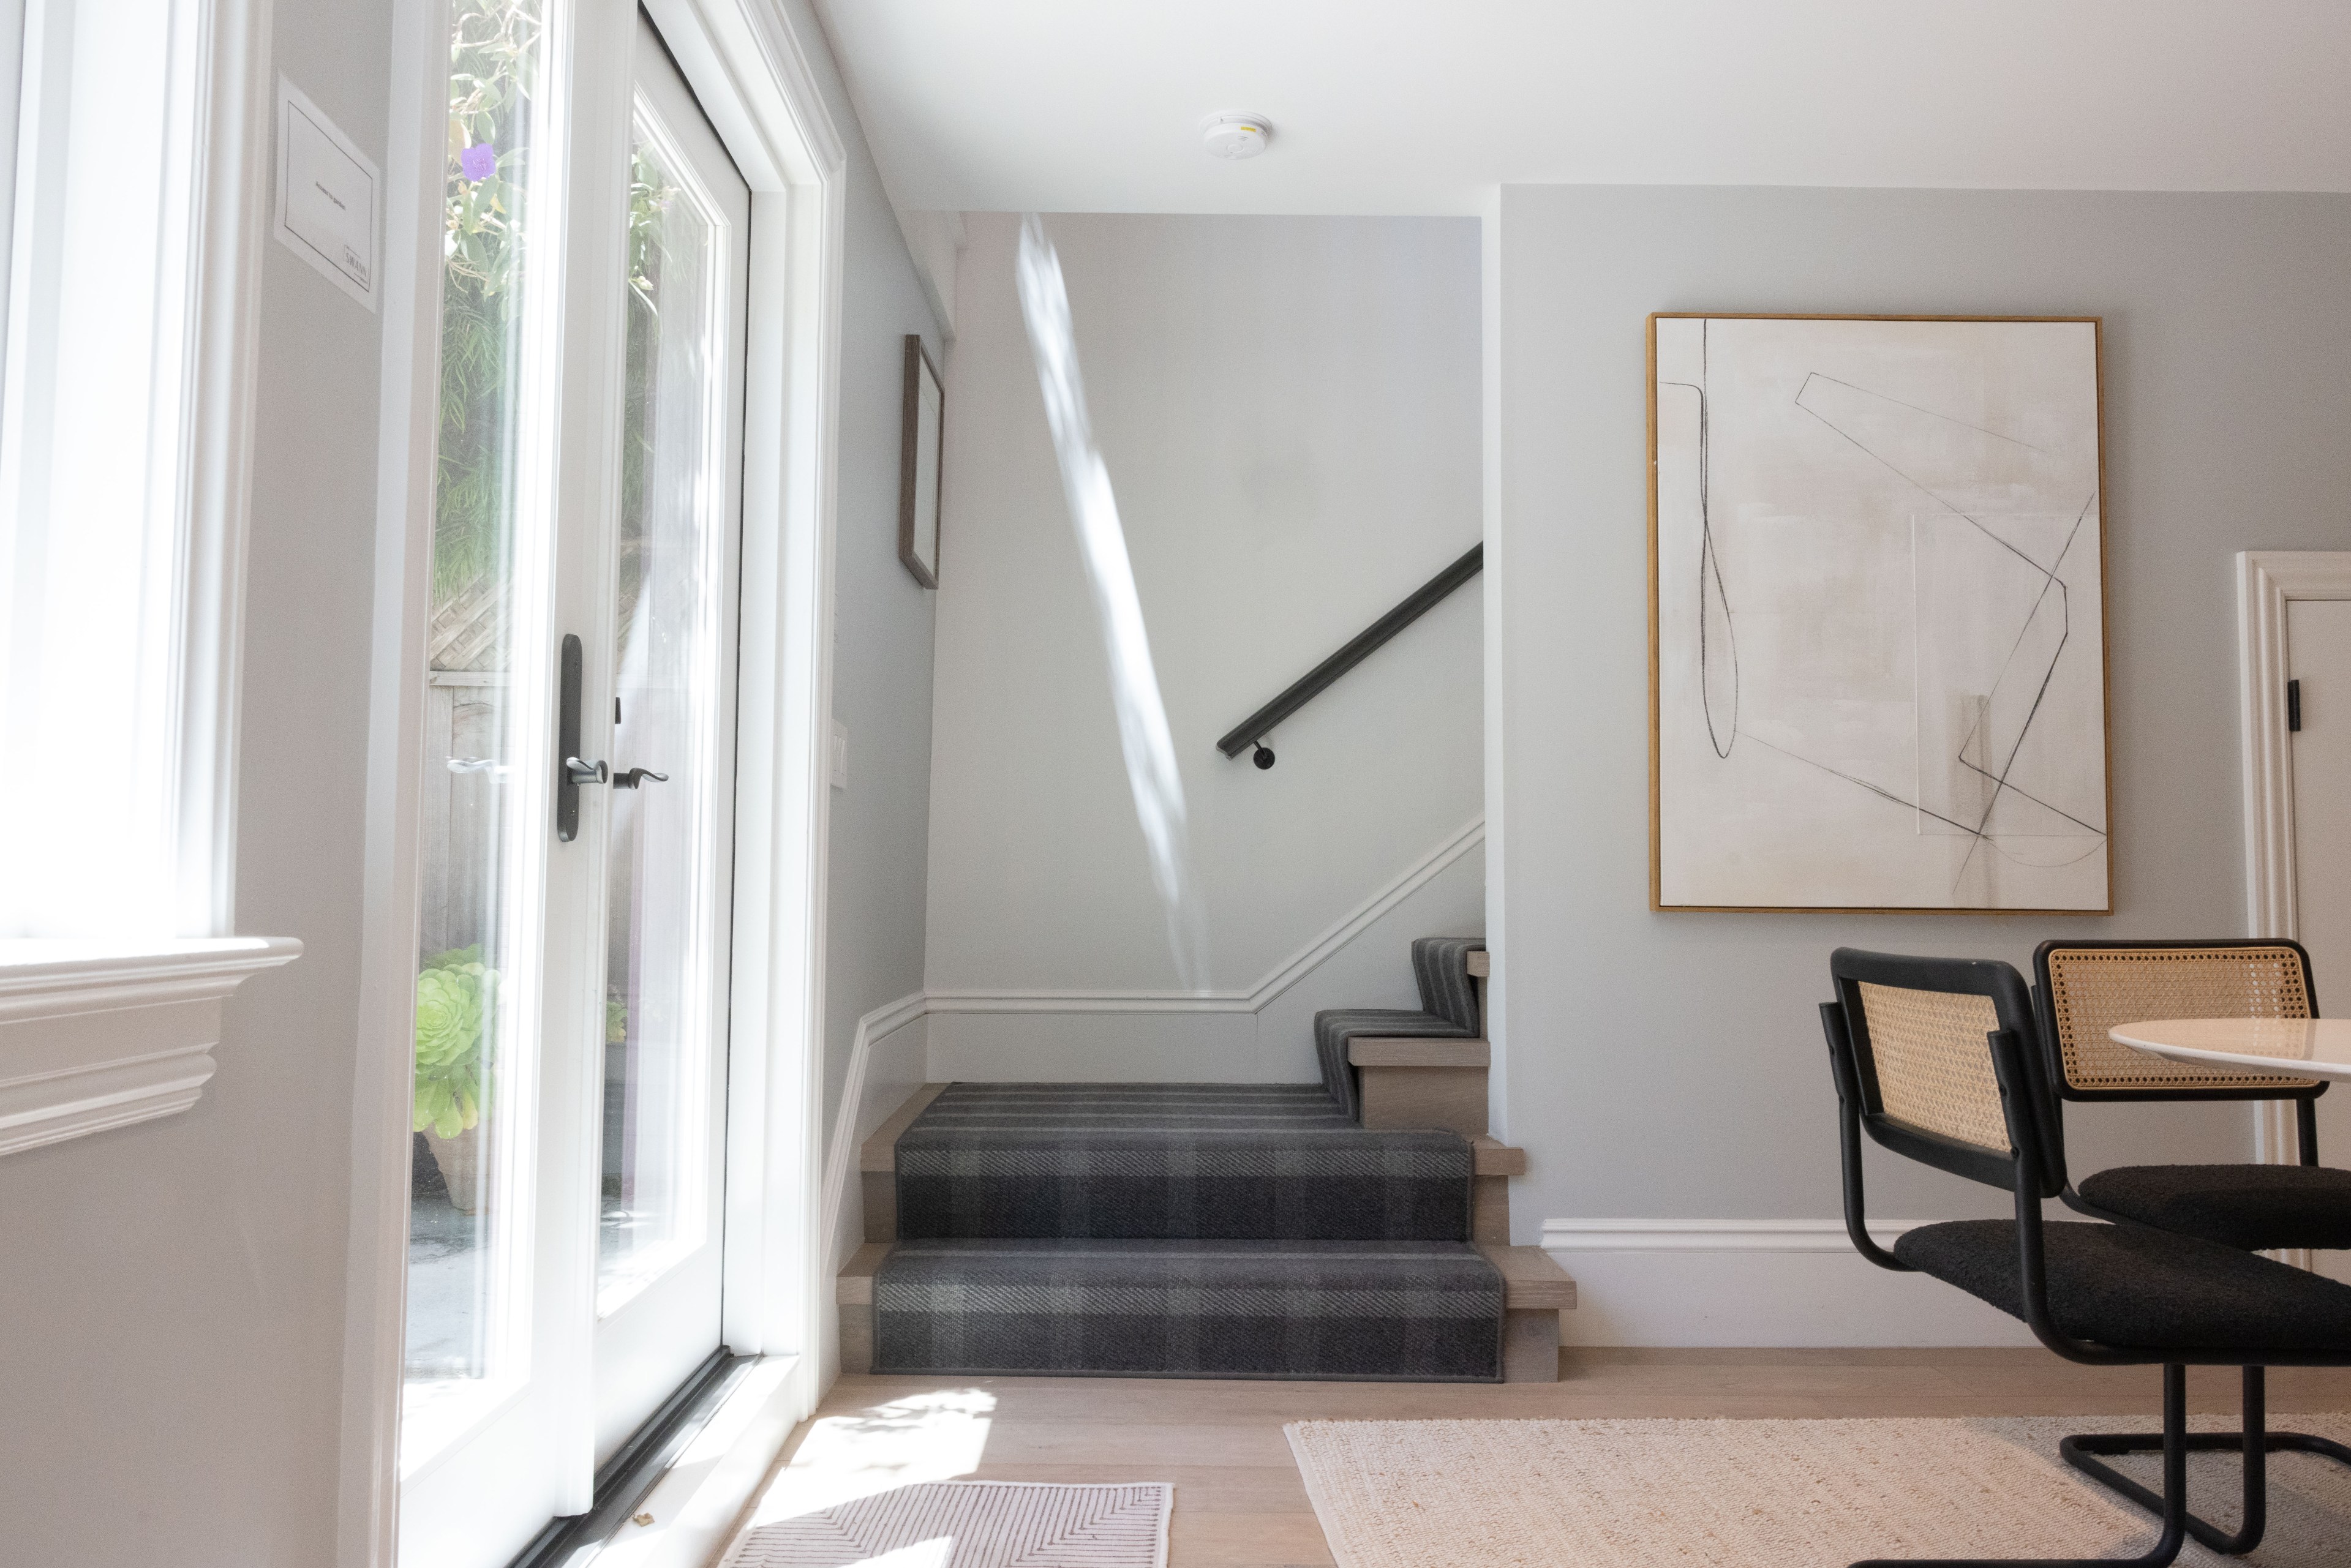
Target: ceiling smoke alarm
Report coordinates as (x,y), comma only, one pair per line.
(1236,135)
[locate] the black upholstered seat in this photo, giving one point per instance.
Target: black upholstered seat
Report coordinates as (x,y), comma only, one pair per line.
(2113,1284)
(2254,1206)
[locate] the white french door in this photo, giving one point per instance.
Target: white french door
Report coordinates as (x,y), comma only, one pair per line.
(566,1238)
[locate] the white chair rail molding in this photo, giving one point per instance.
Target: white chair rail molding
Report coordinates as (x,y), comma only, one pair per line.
(95,1035)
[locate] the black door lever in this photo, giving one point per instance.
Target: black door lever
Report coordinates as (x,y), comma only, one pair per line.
(630,778)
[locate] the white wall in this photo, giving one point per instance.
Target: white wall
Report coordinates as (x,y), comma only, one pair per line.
(1671,1065)
(882,619)
(1288,411)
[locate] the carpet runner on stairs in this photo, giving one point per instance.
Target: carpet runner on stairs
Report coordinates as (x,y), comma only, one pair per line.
(1424,1311)
(1195,1229)
(1259,1162)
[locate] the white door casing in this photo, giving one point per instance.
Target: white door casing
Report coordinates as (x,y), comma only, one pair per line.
(2279,838)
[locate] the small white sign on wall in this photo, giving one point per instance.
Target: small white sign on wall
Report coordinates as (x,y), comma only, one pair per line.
(327,195)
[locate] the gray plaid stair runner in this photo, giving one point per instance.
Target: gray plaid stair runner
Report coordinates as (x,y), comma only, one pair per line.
(1193,1229)
(1424,1311)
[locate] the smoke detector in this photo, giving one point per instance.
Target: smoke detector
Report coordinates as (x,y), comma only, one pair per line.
(1236,136)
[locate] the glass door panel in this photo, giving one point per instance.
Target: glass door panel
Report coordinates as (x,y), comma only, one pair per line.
(485,709)
(671,827)
(662,1006)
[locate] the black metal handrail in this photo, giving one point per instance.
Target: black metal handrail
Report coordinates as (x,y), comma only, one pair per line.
(1252,730)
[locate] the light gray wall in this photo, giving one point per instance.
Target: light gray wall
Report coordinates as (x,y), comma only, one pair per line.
(1672,1065)
(170,1304)
(1288,411)
(882,617)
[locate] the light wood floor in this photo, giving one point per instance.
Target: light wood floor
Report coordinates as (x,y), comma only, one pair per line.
(1238,1503)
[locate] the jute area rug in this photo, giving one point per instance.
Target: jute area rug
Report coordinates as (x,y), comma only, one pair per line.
(972,1524)
(1776,1494)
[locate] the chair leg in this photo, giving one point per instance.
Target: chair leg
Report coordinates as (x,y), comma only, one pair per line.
(2172,1506)
(2256,1442)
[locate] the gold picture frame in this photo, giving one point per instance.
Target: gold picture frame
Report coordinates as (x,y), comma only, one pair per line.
(1689,870)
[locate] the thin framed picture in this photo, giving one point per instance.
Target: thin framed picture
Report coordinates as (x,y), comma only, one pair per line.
(1877,614)
(918,467)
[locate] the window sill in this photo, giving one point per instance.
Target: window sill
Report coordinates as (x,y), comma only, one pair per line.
(95,1035)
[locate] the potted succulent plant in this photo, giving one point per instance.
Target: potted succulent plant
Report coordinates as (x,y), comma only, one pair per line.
(456,995)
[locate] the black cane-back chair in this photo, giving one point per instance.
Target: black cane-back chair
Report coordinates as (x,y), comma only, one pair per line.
(1932,1057)
(2088,988)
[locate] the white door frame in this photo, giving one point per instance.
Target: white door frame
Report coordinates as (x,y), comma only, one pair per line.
(2267,581)
(755,82)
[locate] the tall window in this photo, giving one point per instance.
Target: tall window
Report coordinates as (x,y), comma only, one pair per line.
(117,501)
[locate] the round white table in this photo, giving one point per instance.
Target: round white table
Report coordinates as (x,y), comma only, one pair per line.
(2292,1048)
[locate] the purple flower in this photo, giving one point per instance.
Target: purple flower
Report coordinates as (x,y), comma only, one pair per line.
(479,162)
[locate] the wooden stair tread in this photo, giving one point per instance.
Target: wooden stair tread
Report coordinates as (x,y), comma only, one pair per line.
(1405,1051)
(1494,1157)
(1532,1277)
(854,1287)
(880,1152)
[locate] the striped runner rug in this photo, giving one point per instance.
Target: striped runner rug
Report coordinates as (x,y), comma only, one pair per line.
(973,1524)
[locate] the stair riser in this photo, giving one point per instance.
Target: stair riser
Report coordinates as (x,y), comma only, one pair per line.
(1437,1350)
(1191,1310)
(1530,1342)
(1207,1210)
(1490,1216)
(1453,1098)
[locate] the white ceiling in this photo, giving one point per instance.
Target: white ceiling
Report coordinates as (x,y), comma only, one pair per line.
(1420,106)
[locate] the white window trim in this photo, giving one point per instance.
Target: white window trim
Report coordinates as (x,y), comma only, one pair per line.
(94,1038)
(757,84)
(98,1034)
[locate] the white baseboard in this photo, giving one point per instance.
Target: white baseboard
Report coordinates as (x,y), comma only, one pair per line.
(856,1119)
(1778,1284)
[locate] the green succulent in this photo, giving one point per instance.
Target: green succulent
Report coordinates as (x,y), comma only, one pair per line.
(455,997)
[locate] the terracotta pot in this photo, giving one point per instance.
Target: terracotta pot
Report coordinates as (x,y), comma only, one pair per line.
(460,1159)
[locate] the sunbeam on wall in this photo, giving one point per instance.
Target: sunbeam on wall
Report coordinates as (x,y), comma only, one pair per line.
(1142,733)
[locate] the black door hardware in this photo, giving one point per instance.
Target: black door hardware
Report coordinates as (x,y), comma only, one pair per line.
(570,772)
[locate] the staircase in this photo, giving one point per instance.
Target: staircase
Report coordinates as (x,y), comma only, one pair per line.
(1356,1228)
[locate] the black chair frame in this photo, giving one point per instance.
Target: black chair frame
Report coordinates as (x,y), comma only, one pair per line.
(2034,1172)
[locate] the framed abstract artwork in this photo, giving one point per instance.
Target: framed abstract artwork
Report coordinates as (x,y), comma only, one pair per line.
(1877,665)
(918,466)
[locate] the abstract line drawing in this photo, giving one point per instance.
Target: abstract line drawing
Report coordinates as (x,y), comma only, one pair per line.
(1879,617)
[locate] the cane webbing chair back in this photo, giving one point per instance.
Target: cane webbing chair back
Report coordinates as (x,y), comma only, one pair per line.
(2088,989)
(1933,1059)
(1933,1068)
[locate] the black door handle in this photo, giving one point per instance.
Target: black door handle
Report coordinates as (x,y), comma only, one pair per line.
(570,772)
(630,778)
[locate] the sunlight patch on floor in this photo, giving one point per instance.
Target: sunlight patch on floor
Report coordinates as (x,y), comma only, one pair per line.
(936,1435)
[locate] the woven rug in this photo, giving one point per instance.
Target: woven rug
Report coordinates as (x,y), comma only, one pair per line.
(1775,1494)
(973,1524)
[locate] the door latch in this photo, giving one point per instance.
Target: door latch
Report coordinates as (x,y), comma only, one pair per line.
(630,778)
